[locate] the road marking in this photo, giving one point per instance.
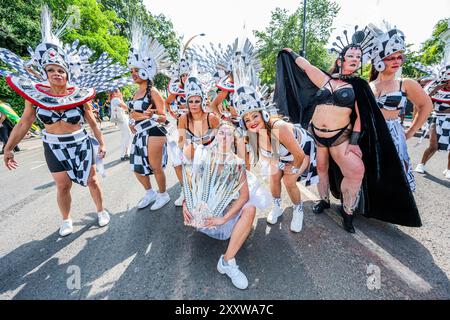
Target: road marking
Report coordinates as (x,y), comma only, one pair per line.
(42,164)
(403,272)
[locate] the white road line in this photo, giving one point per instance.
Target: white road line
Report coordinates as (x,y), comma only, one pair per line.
(42,164)
(403,272)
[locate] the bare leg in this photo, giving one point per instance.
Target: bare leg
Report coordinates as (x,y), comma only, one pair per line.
(240,231)
(352,168)
(275,176)
(63,197)
(322,169)
(95,190)
(432,148)
(290,182)
(144,180)
(155,153)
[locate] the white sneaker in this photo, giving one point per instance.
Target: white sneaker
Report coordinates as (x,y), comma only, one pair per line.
(66,228)
(103,218)
(232,270)
(179,201)
(273,215)
(161,200)
(420,168)
(297,220)
(147,199)
(447,174)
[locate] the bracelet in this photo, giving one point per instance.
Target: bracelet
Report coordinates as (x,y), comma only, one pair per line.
(354,138)
(295,170)
(294,55)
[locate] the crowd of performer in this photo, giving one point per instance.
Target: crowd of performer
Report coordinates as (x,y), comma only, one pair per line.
(219,125)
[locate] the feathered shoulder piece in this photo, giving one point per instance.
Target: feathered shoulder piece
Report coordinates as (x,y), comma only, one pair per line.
(29,79)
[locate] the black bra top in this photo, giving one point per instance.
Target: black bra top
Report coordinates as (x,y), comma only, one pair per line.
(341,97)
(71,116)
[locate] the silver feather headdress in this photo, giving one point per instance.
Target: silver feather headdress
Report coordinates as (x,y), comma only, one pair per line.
(248,95)
(146,53)
(218,61)
(84,78)
(211,183)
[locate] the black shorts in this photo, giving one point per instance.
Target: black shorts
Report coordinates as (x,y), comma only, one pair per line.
(157,132)
(54,165)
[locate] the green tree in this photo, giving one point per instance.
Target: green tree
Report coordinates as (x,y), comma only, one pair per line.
(431,51)
(103,26)
(285,30)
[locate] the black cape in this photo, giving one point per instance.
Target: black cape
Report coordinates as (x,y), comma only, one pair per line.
(385,192)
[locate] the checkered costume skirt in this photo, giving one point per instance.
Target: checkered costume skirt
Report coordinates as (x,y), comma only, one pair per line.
(139,151)
(74,151)
(399,138)
(443,131)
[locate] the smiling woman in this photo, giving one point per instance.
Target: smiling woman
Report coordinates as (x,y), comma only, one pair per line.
(56,90)
(392,94)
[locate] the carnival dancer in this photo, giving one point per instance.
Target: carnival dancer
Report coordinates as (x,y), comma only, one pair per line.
(392,94)
(289,149)
(354,147)
(148,154)
(57,89)
(221,199)
(439,91)
(197,127)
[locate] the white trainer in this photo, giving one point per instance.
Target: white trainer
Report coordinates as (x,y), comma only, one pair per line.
(447,174)
(103,218)
(147,199)
(297,220)
(161,200)
(420,168)
(238,279)
(274,214)
(179,201)
(66,228)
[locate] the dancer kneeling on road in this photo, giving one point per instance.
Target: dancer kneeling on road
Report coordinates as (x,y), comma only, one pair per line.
(228,208)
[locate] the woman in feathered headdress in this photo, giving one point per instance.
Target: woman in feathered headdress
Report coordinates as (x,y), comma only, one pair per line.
(356,158)
(179,72)
(289,149)
(148,154)
(196,128)
(57,84)
(392,94)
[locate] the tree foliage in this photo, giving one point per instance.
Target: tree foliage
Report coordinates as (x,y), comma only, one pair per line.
(431,51)
(103,26)
(285,30)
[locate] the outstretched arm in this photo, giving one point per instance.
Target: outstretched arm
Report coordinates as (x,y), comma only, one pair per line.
(317,76)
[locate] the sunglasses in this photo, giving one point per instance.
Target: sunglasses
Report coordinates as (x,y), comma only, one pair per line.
(195,102)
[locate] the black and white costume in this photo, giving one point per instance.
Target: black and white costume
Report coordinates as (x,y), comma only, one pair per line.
(384,45)
(151,58)
(68,152)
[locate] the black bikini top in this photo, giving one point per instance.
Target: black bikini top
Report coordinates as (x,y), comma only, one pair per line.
(71,116)
(340,97)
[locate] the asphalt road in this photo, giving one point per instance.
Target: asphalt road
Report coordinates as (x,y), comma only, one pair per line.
(144,254)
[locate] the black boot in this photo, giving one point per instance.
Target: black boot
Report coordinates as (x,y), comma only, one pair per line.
(347,221)
(320,206)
